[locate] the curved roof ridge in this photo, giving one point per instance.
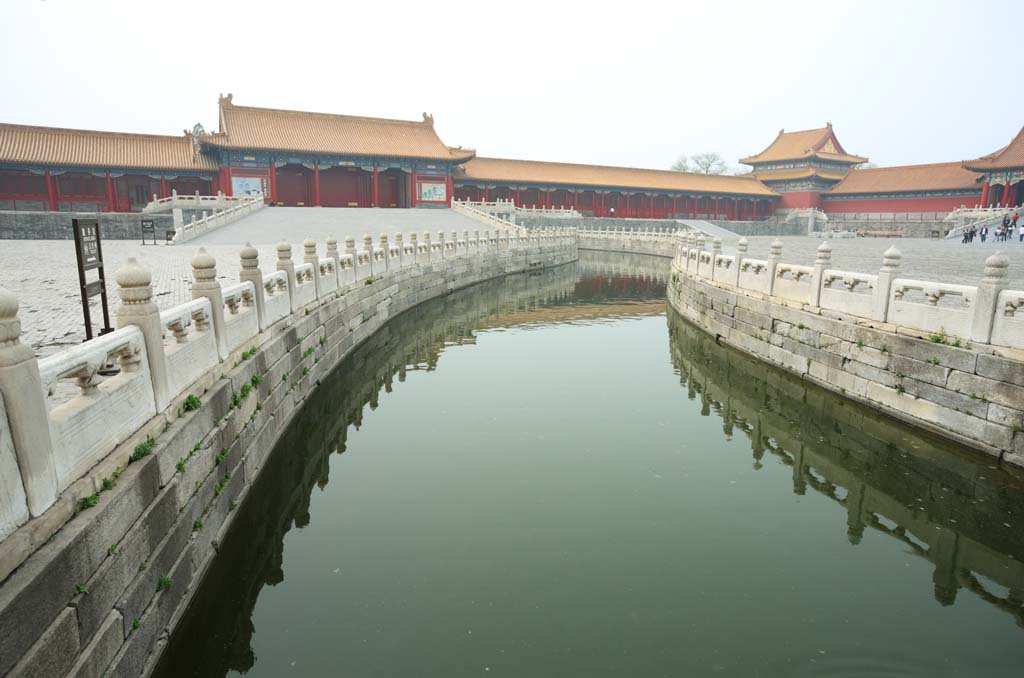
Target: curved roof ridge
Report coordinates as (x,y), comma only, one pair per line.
(73,130)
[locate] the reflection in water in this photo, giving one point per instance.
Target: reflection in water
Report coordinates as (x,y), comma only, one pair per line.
(938,500)
(648,563)
(216,635)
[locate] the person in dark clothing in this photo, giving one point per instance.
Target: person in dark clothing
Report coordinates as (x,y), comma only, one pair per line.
(983,233)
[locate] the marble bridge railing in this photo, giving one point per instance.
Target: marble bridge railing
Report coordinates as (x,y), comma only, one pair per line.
(62,416)
(986,313)
(945,357)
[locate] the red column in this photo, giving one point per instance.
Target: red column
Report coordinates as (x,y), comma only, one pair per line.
(600,202)
(110,193)
(225,180)
(547,199)
(450,181)
(164,193)
(716,208)
(1011,192)
(519,199)
(273,182)
(412,190)
(376,188)
(316,184)
(984,194)
(51,195)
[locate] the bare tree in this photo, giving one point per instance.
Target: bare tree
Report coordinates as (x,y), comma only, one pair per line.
(709,163)
(682,164)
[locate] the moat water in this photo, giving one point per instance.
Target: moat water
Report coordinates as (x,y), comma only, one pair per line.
(555,475)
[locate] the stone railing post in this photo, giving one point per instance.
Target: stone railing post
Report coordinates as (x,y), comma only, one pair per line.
(250,258)
(716,249)
(400,245)
(440,239)
(427,251)
(386,251)
(822,262)
(350,249)
(309,256)
(415,245)
(134,286)
(774,257)
(332,253)
(741,253)
(285,263)
(890,269)
(991,284)
(368,246)
(27,418)
(204,270)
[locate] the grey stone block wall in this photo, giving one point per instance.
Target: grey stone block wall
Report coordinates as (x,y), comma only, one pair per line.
(90,599)
(972,394)
(28,225)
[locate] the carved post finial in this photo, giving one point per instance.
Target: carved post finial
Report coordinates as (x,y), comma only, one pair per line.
(741,245)
(824,255)
(204,266)
(891,259)
(134,283)
(10,324)
(249,256)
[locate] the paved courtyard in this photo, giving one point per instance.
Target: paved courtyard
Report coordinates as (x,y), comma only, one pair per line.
(42,273)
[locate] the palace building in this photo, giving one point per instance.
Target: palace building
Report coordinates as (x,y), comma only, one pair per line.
(308,159)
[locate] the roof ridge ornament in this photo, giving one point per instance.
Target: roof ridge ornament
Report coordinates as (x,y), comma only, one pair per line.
(427,118)
(225,100)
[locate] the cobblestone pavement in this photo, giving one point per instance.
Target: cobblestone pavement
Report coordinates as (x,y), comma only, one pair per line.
(42,273)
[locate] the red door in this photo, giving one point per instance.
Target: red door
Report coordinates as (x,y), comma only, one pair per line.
(295,186)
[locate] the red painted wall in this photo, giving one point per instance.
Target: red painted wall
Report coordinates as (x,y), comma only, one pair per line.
(941,204)
(799,199)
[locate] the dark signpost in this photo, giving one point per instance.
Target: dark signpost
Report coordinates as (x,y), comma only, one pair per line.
(90,255)
(148,229)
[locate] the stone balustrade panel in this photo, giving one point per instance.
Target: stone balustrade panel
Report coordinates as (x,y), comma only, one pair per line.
(848,292)
(705,264)
(13,503)
(241,322)
(190,345)
(754,275)
(1008,328)
(328,277)
(792,282)
(346,269)
(943,309)
(276,303)
(86,427)
(305,286)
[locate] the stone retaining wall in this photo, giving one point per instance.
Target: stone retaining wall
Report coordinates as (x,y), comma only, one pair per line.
(654,244)
(970,392)
(93,585)
(28,225)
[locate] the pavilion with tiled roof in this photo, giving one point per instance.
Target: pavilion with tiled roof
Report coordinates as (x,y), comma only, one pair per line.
(1001,173)
(325,159)
(801,165)
(50,168)
(598,189)
(936,187)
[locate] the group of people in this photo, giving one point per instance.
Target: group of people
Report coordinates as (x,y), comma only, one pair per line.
(1002,233)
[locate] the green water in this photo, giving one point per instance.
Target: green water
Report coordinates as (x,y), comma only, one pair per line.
(553,476)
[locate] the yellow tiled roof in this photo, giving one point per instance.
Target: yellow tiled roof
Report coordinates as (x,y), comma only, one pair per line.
(799,173)
(248,127)
(24,144)
(1010,156)
(534,172)
(820,143)
(943,176)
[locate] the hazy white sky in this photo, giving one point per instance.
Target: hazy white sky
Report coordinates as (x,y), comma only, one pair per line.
(628,83)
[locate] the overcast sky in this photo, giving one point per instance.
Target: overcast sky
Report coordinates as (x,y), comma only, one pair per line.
(628,83)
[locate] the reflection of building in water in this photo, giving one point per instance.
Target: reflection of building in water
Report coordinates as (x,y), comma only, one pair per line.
(936,499)
(218,635)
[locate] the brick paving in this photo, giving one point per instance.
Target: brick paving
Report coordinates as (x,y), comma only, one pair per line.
(42,273)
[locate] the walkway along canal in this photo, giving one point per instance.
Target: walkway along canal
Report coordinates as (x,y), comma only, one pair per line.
(555,474)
